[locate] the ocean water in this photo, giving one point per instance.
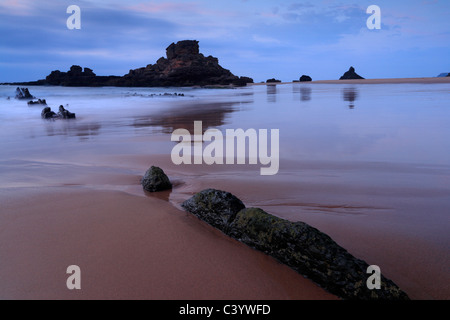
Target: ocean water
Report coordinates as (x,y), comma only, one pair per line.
(354,159)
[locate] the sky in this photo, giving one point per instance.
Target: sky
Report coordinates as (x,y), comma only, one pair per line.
(261,39)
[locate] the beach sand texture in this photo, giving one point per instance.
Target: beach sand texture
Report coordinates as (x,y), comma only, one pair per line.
(70,192)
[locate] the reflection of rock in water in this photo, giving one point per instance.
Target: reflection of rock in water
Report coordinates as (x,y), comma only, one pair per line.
(350,95)
(73,129)
(301,91)
(211,114)
(271,93)
(305,93)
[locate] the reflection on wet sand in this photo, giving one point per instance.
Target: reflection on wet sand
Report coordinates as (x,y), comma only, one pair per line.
(72,129)
(302,91)
(272,93)
(350,95)
(212,115)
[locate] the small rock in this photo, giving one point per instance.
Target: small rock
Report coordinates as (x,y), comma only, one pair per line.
(39,102)
(305,78)
(65,114)
(273,80)
(156,180)
(351,75)
(47,113)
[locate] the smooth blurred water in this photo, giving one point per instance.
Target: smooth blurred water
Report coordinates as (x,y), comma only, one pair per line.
(398,123)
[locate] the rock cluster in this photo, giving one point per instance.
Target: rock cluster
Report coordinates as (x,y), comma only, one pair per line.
(296,244)
(273,80)
(47,113)
(351,75)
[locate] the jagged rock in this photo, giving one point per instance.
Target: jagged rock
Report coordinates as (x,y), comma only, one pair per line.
(65,114)
(218,208)
(305,78)
(23,93)
(273,80)
(296,244)
(156,180)
(38,102)
(351,75)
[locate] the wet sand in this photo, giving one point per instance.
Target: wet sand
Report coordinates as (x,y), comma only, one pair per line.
(128,247)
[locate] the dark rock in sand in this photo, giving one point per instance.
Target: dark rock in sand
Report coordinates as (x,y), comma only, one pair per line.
(273,80)
(296,244)
(38,102)
(156,180)
(351,75)
(305,78)
(65,114)
(23,93)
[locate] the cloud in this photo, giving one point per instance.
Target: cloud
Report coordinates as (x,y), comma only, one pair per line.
(265,40)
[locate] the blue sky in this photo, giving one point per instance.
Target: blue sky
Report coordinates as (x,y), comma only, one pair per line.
(257,38)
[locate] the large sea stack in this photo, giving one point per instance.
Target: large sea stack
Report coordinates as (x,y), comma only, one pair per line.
(184,66)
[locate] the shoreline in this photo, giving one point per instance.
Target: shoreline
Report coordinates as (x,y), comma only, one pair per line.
(424,80)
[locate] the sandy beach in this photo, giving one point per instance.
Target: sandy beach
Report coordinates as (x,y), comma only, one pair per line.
(129,247)
(424,80)
(71,193)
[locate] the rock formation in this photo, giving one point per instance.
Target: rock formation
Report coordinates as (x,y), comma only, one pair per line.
(75,77)
(184,66)
(47,113)
(65,114)
(273,80)
(305,78)
(156,180)
(23,93)
(38,102)
(351,75)
(296,244)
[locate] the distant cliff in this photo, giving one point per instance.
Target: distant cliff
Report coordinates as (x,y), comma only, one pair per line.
(184,66)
